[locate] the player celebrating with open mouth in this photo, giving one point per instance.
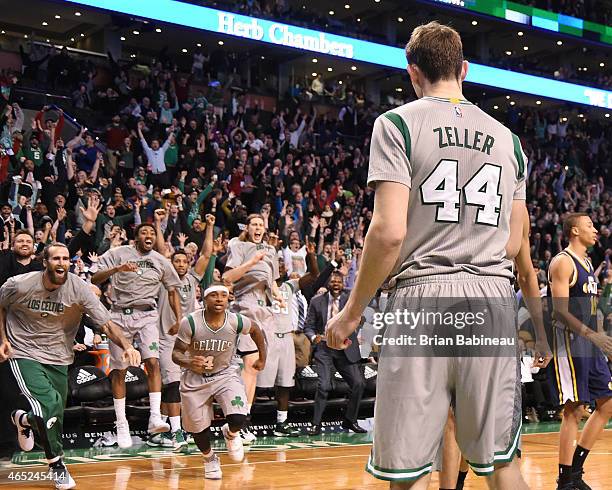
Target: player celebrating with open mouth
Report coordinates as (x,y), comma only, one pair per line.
(252,266)
(205,347)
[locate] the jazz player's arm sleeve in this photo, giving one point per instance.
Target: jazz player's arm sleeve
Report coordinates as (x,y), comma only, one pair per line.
(93,307)
(389,151)
(7,292)
(184,332)
(246,325)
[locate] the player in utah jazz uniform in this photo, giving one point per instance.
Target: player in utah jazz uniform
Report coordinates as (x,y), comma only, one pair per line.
(205,347)
(581,374)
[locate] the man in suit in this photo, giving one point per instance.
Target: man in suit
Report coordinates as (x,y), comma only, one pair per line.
(321,309)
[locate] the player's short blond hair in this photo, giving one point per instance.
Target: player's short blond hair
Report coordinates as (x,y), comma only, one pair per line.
(437,50)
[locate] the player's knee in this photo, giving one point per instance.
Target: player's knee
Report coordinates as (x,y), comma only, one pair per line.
(236,421)
(152,364)
(604,406)
(573,412)
(171,393)
(117,374)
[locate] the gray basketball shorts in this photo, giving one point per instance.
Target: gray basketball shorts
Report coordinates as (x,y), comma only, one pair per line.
(414,393)
(198,393)
(254,309)
(170,372)
(140,327)
(280,362)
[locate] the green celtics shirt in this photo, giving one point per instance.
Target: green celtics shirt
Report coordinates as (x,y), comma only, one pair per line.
(40,324)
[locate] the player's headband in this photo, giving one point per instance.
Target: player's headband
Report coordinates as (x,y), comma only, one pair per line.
(213,289)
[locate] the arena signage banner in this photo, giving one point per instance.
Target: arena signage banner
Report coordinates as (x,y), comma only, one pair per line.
(280,34)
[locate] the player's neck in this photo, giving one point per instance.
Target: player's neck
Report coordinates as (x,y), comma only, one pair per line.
(47,284)
(445,89)
(214,319)
(578,249)
(140,251)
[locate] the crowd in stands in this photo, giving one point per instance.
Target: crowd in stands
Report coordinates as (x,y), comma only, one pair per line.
(193,150)
(594,10)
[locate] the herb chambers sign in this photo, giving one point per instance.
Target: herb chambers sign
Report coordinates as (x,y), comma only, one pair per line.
(282,34)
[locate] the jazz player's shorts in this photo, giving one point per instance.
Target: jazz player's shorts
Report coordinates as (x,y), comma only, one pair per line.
(413,394)
(579,371)
(199,391)
(280,362)
(254,309)
(139,326)
(170,371)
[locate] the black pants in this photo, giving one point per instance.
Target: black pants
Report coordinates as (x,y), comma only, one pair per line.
(325,360)
(158,180)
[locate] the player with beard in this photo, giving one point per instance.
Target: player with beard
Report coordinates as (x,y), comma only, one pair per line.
(171,372)
(136,273)
(40,314)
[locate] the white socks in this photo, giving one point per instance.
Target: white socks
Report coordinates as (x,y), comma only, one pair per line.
(175,423)
(155,403)
(281,416)
(119,404)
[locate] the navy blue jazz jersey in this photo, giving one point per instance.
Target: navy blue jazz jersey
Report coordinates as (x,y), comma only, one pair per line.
(581,370)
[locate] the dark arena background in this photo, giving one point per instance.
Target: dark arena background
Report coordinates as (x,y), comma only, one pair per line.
(190,115)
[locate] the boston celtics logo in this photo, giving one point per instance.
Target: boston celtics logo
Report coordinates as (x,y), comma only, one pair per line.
(237,402)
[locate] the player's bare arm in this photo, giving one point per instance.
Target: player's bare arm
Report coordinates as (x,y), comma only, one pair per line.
(113,332)
(235,274)
(207,247)
(257,336)
(561,270)
(175,304)
(5,346)
(160,244)
(517,217)
(312,267)
(528,283)
(182,357)
(103,276)
(380,252)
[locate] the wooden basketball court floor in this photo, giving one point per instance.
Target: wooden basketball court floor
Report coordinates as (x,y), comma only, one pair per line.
(326,462)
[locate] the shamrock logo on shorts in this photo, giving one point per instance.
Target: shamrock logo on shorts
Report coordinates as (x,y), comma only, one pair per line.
(237,402)
(154,346)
